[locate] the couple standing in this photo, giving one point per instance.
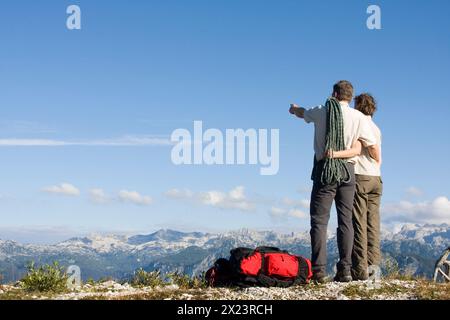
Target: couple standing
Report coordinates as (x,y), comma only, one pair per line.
(347,161)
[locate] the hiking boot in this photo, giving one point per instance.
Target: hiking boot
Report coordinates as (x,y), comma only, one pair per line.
(343,276)
(320,278)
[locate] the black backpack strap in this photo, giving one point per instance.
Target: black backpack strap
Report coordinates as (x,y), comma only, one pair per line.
(266,249)
(241,252)
(246,282)
(303,270)
(267,281)
(236,256)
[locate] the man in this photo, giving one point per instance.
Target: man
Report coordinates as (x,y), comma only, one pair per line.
(351,125)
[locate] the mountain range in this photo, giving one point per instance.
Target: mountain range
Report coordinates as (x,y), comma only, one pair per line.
(413,250)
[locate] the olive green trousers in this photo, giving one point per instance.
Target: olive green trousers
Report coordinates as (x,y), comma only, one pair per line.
(366,224)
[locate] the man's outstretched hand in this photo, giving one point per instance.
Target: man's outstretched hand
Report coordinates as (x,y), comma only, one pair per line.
(296,110)
(292,108)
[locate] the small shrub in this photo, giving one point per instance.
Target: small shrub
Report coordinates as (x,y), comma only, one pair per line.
(392,269)
(143,278)
(179,279)
(199,282)
(46,278)
(186,282)
(393,272)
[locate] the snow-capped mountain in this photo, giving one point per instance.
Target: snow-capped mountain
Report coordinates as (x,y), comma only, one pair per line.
(432,234)
(414,248)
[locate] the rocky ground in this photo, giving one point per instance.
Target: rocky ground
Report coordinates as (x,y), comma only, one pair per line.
(382,290)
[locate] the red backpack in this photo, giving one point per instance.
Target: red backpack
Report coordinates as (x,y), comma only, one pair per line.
(263,266)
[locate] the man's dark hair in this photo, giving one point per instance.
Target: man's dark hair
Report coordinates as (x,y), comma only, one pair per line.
(343,90)
(366,103)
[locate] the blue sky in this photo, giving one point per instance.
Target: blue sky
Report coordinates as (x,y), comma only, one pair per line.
(138,70)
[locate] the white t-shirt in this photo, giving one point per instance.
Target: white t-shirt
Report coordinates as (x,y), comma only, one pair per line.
(365,164)
(356,127)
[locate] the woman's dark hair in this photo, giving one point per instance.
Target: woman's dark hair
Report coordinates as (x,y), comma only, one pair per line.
(366,103)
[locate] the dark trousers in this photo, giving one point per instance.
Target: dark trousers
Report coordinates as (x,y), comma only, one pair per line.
(322,197)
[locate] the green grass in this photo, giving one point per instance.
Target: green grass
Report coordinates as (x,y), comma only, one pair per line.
(367,293)
(422,290)
(432,291)
(21,294)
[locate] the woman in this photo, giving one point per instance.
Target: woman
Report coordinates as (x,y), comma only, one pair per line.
(366,253)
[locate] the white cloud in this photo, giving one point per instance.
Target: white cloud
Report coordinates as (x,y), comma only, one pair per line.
(126,141)
(413,191)
(280,213)
(237,193)
(234,199)
(64,189)
(277,212)
(98,196)
(288,207)
(296,213)
(237,199)
(212,198)
(435,211)
(302,203)
(135,197)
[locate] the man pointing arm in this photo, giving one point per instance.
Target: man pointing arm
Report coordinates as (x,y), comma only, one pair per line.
(296,110)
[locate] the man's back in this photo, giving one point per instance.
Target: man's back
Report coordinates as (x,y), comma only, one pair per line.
(356,127)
